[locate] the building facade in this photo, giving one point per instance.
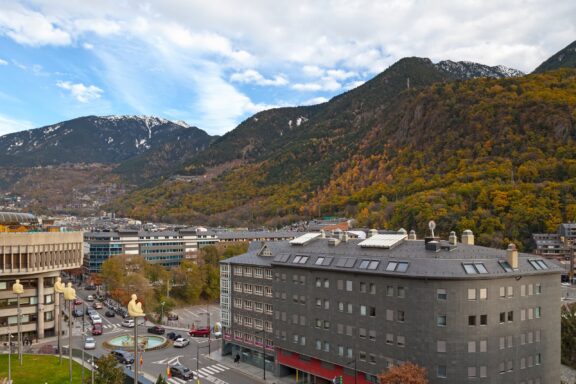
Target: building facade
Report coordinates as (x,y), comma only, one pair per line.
(353,308)
(36,259)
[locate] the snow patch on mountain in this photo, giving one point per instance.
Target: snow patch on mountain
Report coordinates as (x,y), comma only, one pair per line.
(470,70)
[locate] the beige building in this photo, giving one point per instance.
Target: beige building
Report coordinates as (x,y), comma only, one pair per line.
(36,259)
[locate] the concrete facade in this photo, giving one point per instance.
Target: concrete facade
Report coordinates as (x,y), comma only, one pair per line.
(36,259)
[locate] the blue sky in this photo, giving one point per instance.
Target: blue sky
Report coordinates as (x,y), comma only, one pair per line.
(213,64)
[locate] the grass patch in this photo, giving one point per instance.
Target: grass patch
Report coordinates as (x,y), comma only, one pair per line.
(40,369)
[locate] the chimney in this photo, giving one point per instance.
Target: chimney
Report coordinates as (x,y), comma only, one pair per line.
(467,237)
(345,237)
(322,234)
(512,256)
(372,232)
(332,242)
(452,239)
(412,235)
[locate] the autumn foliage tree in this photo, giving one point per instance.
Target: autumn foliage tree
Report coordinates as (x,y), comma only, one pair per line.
(407,373)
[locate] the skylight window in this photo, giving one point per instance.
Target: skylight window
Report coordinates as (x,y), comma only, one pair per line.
(474,268)
(538,264)
(319,261)
(505,266)
(300,260)
(369,264)
(374,265)
(397,266)
(364,264)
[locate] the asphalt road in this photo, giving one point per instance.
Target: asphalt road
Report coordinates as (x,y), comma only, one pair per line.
(155,362)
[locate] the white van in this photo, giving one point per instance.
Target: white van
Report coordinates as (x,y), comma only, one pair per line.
(90,298)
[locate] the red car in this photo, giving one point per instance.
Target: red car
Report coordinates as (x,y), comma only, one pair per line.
(77,301)
(200,332)
(97,329)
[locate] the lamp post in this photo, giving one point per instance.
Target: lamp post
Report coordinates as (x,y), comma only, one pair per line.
(355,371)
(93,367)
(161,311)
(198,346)
(69,296)
(9,354)
(135,310)
(18,289)
(58,289)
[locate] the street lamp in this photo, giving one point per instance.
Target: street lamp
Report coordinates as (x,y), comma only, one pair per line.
(70,296)
(9,354)
(135,310)
(18,289)
(198,346)
(355,371)
(58,289)
(161,311)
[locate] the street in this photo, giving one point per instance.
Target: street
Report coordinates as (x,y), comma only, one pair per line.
(155,362)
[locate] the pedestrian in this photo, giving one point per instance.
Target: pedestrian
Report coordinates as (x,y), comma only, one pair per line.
(237,359)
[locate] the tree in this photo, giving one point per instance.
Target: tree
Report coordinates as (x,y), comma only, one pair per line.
(108,371)
(407,373)
(568,333)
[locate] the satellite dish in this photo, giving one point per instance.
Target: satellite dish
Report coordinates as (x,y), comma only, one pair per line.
(432,226)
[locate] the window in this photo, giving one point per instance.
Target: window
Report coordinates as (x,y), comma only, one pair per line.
(362,356)
(362,333)
(537,312)
(471,347)
(326,304)
(318,344)
(522,314)
(441,371)
(510,291)
(538,264)
(362,310)
(471,294)
(472,320)
(340,306)
(326,283)
(389,338)
(510,316)
(441,294)
(318,302)
(319,261)
(474,268)
(505,266)
(471,372)
(397,266)
(362,287)
(441,346)
(349,285)
(483,345)
(483,371)
(389,290)
(326,346)
(389,315)
(522,290)
(318,282)
(400,341)
(538,289)
(372,335)
(502,292)
(483,293)
(401,292)
(441,320)
(340,284)
(400,315)
(502,317)
(372,289)
(350,307)
(483,319)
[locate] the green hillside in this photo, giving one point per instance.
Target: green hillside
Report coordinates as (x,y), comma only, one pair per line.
(495,156)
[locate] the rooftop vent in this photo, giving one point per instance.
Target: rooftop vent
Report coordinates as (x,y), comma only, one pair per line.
(467,237)
(452,239)
(432,245)
(372,232)
(402,231)
(412,235)
(345,237)
(322,234)
(332,242)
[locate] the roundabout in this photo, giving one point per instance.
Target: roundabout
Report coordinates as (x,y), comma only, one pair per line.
(145,343)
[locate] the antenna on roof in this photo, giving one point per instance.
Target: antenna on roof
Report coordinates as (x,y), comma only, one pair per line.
(432,226)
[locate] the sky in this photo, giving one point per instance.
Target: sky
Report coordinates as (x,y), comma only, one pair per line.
(213,64)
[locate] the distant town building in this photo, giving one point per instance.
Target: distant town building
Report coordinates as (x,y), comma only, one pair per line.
(36,257)
(335,306)
(558,246)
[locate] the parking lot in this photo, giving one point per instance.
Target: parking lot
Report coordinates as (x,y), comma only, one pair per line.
(197,316)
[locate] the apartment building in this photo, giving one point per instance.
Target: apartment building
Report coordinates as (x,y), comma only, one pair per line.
(36,258)
(354,307)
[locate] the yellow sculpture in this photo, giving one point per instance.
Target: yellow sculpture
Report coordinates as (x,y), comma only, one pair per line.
(134,308)
(58,286)
(69,292)
(17,288)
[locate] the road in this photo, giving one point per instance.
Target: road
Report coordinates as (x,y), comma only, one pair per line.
(155,362)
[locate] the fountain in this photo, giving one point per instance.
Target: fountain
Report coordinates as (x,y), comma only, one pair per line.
(145,343)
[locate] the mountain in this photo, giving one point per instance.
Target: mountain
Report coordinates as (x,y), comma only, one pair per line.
(465,70)
(92,139)
(565,58)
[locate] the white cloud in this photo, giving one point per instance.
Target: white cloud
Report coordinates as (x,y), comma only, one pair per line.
(354,84)
(29,27)
(315,100)
(3,62)
(251,76)
(326,83)
(88,46)
(81,92)
(9,125)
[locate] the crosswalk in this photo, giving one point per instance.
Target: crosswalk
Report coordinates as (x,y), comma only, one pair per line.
(205,373)
(108,328)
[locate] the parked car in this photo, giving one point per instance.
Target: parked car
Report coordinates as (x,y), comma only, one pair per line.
(97,305)
(97,329)
(123,357)
(89,342)
(109,313)
(172,316)
(90,298)
(181,371)
(90,311)
(90,287)
(158,330)
(96,319)
(128,323)
(181,342)
(77,301)
(173,336)
(200,332)
(77,313)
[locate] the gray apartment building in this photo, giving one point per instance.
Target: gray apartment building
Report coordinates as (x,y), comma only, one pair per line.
(354,307)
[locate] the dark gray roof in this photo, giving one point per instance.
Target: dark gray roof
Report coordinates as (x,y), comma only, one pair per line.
(443,264)
(243,235)
(250,258)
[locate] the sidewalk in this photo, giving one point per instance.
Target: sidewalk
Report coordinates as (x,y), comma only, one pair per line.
(249,370)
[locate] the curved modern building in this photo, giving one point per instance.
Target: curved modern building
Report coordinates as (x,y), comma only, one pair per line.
(35,258)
